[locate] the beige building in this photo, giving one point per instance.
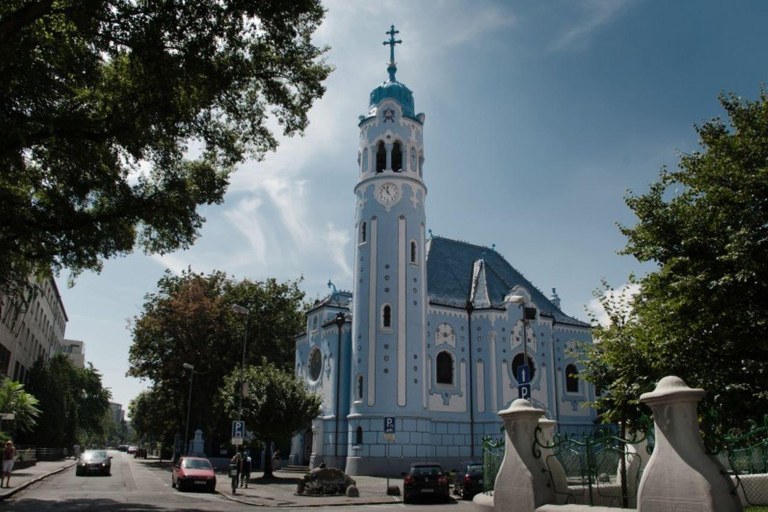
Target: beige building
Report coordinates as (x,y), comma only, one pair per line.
(30,332)
(75,351)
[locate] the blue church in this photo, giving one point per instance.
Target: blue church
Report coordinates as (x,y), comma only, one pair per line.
(418,360)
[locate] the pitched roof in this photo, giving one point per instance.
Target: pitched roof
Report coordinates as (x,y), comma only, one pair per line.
(459,271)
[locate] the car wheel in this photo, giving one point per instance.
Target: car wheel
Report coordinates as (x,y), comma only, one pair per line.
(173,483)
(465,495)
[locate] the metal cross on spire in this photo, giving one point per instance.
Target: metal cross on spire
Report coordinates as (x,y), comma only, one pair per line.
(392,68)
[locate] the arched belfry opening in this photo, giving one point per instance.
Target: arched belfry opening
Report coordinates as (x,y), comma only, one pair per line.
(397,157)
(381,157)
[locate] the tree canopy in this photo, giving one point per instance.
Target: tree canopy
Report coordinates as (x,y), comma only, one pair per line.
(119,118)
(276,406)
(14,399)
(703,314)
(190,320)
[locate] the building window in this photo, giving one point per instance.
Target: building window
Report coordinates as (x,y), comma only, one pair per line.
(444,371)
(386,316)
(517,361)
(571,379)
(414,252)
(397,157)
(363,232)
(315,363)
(359,393)
(359,435)
(381,157)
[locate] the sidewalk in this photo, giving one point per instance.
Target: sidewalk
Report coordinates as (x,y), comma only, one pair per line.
(23,478)
(281,491)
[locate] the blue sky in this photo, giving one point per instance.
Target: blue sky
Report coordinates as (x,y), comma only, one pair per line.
(539,117)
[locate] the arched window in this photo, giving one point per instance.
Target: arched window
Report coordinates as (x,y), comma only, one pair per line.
(444,373)
(571,379)
(363,233)
(381,157)
(397,157)
(359,435)
(359,391)
(517,361)
(414,252)
(386,316)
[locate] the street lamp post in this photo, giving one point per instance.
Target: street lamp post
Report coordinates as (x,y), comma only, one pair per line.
(240,310)
(191,369)
(520,299)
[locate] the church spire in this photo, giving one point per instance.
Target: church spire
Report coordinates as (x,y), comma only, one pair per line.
(392,67)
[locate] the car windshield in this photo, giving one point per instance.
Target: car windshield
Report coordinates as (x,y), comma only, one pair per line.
(196,464)
(474,469)
(95,454)
(427,470)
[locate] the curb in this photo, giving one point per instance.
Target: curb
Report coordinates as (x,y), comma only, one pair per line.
(26,484)
(293,504)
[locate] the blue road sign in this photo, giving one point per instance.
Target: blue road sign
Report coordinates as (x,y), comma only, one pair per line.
(238,429)
(389,425)
(524,391)
(523,374)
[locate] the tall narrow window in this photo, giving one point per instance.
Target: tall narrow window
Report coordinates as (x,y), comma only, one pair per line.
(444,372)
(359,435)
(414,252)
(381,157)
(397,157)
(571,379)
(386,316)
(359,393)
(363,233)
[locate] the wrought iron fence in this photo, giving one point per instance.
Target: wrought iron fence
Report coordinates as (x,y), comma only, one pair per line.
(744,455)
(493,454)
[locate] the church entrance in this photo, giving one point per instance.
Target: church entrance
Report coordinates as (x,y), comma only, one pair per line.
(307,448)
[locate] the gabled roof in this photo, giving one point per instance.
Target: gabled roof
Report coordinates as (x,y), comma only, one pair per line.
(458,272)
(336,299)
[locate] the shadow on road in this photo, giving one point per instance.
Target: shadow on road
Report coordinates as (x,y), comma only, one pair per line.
(88,504)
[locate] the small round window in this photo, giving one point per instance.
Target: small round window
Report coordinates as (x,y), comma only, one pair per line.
(315,363)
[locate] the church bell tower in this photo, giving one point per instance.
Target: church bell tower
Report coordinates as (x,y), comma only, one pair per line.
(388,332)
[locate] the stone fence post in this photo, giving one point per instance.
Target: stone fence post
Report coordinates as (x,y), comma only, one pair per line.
(680,476)
(522,483)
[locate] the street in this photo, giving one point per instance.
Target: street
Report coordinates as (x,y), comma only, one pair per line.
(135,486)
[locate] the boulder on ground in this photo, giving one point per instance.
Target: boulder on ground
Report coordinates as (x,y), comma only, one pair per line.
(325,481)
(353,492)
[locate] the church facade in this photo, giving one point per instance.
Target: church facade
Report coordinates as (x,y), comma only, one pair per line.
(416,362)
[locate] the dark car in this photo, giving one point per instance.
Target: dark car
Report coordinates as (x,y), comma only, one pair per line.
(123,447)
(140,453)
(94,462)
(425,479)
(468,480)
(193,473)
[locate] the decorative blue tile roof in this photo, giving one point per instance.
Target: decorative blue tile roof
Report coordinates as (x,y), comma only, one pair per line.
(458,272)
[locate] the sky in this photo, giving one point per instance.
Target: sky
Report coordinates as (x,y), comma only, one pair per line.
(540,118)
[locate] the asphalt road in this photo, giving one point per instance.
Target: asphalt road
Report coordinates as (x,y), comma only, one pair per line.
(134,486)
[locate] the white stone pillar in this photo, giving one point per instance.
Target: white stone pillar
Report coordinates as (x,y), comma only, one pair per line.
(680,476)
(522,483)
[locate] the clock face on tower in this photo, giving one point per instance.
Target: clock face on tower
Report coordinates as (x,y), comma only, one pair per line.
(388,194)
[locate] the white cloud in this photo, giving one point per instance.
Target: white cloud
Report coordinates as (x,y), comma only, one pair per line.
(626,291)
(594,15)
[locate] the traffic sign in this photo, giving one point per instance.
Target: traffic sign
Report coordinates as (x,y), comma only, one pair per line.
(237,440)
(523,374)
(389,425)
(238,429)
(524,391)
(389,437)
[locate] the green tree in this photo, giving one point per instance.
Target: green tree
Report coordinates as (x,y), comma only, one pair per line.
(15,400)
(154,416)
(276,407)
(119,118)
(72,402)
(190,320)
(703,313)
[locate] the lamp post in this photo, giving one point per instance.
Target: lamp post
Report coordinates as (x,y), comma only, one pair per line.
(240,310)
(191,369)
(520,299)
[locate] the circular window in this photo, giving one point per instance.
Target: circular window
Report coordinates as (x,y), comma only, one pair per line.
(315,363)
(517,361)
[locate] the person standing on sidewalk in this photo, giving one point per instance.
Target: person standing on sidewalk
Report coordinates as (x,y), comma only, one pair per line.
(245,472)
(236,466)
(9,455)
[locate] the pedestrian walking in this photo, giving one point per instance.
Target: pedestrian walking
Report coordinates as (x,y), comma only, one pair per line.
(9,456)
(76,451)
(234,471)
(245,472)
(276,460)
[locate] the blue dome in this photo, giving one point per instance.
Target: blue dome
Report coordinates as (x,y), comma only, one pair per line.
(397,91)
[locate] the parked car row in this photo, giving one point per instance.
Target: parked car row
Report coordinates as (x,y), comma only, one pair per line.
(428,480)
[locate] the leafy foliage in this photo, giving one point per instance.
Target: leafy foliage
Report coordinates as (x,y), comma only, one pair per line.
(72,401)
(14,399)
(190,320)
(703,314)
(276,406)
(101,102)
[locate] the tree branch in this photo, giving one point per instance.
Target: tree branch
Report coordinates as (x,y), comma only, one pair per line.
(17,20)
